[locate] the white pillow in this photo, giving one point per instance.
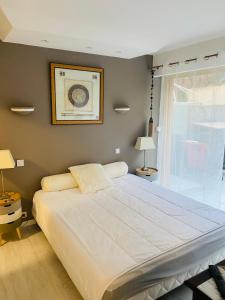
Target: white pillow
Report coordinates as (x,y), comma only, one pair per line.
(90,177)
(58,182)
(66,181)
(116,169)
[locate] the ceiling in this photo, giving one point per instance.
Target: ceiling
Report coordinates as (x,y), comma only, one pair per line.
(120,28)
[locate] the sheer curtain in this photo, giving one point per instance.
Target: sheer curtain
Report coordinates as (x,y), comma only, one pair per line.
(192,136)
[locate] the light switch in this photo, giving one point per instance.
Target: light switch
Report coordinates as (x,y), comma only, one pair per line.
(20,163)
(117,151)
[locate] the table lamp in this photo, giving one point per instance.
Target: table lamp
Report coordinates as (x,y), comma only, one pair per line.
(6,162)
(144,143)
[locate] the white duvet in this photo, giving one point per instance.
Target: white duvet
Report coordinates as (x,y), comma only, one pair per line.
(105,238)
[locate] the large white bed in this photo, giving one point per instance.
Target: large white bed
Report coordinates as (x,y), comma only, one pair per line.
(134,240)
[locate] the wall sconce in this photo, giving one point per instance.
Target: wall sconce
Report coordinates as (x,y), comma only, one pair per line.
(122,109)
(22,110)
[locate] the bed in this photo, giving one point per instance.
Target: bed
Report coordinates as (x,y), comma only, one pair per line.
(134,240)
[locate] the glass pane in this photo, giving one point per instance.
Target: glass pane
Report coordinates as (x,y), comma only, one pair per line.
(198,136)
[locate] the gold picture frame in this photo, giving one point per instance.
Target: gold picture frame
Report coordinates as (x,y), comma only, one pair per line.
(77,94)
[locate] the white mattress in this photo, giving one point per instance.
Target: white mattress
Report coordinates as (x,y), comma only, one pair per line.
(108,239)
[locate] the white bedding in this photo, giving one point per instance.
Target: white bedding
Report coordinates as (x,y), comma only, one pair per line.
(106,238)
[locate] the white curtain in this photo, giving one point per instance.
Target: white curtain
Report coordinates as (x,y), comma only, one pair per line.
(192,136)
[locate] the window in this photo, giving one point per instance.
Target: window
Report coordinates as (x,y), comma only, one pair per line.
(192,137)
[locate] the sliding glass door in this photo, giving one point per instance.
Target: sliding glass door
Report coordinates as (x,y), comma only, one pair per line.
(192,136)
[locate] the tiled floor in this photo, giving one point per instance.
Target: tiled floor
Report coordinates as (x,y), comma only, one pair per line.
(29,269)
(213,195)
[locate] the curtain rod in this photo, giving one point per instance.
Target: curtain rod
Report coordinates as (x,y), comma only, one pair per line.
(187,61)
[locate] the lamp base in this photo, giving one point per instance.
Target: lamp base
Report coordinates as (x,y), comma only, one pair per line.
(144,169)
(4,196)
(2,241)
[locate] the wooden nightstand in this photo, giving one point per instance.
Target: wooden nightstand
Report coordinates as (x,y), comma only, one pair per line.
(149,174)
(10,214)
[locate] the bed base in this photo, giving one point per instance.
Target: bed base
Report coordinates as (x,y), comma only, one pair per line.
(171,283)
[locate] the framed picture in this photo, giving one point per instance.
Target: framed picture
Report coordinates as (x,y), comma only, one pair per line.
(77,94)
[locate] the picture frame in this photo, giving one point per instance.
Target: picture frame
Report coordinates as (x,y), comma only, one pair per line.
(77,94)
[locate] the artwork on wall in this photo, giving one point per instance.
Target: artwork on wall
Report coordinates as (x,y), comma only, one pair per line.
(77,94)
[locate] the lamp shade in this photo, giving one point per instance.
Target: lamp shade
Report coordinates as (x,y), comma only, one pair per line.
(144,143)
(6,160)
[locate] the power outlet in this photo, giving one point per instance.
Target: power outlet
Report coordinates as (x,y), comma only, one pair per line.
(117,150)
(24,215)
(20,163)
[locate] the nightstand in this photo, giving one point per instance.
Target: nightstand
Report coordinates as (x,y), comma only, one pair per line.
(10,214)
(150,174)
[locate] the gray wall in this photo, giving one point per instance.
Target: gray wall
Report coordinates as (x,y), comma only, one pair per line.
(50,149)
